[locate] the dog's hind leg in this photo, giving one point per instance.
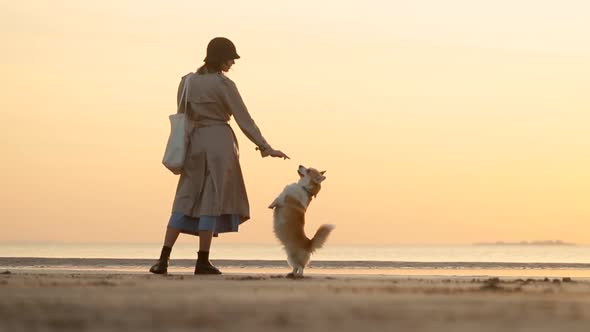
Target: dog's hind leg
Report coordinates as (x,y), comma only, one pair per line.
(291,262)
(293,274)
(297,272)
(300,272)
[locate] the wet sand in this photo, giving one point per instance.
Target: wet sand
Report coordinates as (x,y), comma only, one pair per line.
(113,301)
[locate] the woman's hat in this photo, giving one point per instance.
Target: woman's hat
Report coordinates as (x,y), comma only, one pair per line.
(221,49)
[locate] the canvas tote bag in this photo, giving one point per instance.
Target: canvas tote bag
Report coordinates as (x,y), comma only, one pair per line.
(176,148)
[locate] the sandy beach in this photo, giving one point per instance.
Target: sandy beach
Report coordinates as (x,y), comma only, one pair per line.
(107,301)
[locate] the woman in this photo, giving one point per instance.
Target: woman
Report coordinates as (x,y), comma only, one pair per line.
(211,196)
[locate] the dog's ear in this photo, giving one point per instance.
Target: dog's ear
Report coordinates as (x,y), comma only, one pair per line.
(301,171)
(322,172)
(274,203)
(319,179)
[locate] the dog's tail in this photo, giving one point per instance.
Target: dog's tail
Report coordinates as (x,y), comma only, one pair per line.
(320,237)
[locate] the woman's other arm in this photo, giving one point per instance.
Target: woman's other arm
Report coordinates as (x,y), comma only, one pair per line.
(238,108)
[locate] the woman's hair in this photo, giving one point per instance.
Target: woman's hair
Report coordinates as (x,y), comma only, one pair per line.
(219,50)
(210,67)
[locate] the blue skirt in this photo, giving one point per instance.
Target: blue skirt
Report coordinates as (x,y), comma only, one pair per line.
(191,225)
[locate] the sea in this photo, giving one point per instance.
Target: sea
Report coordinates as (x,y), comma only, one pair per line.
(515,260)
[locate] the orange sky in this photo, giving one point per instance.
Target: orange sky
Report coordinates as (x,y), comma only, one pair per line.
(454,123)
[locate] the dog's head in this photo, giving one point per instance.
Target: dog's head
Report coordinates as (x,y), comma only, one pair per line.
(311,179)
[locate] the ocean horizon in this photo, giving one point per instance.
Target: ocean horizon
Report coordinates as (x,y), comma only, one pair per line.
(422,260)
(333,256)
(477,252)
(509,253)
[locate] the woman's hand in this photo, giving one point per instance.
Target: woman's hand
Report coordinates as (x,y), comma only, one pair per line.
(273,153)
(278,154)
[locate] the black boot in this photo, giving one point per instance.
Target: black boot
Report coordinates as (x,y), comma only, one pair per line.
(161,267)
(203,265)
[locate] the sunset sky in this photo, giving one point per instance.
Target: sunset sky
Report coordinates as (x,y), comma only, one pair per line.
(438,122)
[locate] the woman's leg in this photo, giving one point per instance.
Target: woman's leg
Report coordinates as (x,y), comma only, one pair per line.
(161,266)
(171,236)
(205,239)
(203,265)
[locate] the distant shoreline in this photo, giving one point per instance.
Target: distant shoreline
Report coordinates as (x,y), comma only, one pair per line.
(132,263)
(525,243)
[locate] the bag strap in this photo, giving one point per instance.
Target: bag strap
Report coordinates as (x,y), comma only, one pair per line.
(184,93)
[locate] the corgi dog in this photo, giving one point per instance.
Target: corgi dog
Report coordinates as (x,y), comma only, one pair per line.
(289,219)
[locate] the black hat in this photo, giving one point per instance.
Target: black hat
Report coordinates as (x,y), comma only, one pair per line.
(221,49)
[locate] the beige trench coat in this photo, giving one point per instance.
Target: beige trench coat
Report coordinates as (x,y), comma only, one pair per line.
(211,183)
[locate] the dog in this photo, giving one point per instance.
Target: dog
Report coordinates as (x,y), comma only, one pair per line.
(289,219)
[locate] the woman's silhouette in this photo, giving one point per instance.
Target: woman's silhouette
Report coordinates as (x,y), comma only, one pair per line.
(211,196)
